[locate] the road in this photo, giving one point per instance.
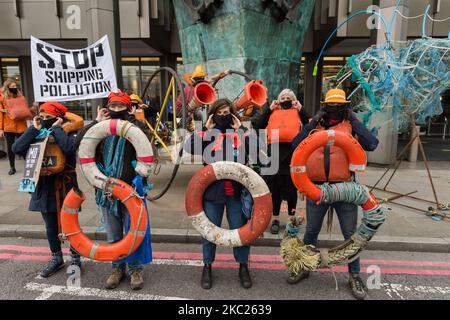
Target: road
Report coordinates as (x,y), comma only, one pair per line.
(175,274)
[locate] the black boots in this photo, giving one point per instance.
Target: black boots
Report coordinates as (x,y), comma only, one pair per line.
(244,276)
(54,265)
(12,171)
(207,277)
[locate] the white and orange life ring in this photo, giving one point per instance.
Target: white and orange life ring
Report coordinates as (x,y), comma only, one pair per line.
(262,203)
(105,252)
(296,255)
(125,129)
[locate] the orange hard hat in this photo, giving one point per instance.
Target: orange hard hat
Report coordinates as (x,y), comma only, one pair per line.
(336,96)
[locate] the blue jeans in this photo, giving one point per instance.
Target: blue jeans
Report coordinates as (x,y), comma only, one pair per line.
(348,218)
(115,228)
(236,219)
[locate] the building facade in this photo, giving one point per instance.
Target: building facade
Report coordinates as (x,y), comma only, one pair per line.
(149,38)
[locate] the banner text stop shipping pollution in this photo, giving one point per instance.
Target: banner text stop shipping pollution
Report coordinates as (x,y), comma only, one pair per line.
(67,75)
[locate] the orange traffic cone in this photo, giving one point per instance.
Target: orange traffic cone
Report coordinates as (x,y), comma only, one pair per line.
(255,94)
(204,94)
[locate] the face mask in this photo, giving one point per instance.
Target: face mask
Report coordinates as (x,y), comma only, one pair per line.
(223,121)
(118,114)
(48,123)
(335,112)
(286,105)
(13,90)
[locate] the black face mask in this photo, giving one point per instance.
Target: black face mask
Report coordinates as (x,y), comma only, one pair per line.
(223,121)
(286,105)
(118,114)
(335,114)
(48,123)
(13,90)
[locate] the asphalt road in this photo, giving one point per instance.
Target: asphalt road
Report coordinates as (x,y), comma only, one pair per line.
(175,274)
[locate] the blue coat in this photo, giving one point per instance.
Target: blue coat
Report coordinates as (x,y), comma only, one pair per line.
(44,198)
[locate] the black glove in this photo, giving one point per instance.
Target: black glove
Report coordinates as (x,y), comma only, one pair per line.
(319,115)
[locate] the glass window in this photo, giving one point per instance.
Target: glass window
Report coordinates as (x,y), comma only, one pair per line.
(10,69)
(136,71)
(331,68)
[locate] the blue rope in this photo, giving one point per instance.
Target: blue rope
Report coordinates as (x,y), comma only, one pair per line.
(349,192)
(393,17)
(352,192)
(44,133)
(424,22)
(345,21)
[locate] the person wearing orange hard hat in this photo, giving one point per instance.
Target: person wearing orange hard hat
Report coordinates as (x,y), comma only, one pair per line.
(192,79)
(330,165)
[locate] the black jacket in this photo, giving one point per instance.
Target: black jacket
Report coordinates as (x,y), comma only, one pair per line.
(128,172)
(201,142)
(261,120)
(44,198)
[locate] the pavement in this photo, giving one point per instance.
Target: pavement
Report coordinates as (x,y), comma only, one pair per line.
(176,270)
(404,230)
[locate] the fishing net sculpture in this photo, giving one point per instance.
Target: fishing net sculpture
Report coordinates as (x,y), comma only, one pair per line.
(410,79)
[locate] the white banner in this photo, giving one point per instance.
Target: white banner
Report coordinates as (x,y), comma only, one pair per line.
(67,75)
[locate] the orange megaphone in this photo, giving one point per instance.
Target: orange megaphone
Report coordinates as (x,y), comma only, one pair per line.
(255,94)
(204,94)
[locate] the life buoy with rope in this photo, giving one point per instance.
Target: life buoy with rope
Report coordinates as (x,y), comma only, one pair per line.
(105,252)
(262,203)
(298,256)
(124,129)
(125,193)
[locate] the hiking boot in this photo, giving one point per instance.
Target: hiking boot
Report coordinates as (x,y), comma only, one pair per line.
(296,278)
(137,279)
(115,278)
(357,286)
(244,276)
(207,277)
(54,265)
(275,227)
(12,171)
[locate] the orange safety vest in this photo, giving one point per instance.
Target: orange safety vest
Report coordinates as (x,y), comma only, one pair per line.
(338,161)
(287,122)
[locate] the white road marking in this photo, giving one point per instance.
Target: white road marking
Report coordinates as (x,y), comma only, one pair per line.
(49,290)
(398,289)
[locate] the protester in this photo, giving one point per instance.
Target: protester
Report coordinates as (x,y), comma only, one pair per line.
(199,75)
(284,117)
(10,128)
(222,119)
(52,189)
(115,157)
(330,165)
(150,111)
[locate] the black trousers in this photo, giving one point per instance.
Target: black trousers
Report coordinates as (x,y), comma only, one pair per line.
(51,227)
(10,139)
(282,188)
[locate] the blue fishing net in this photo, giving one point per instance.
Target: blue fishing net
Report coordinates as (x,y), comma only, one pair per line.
(408,77)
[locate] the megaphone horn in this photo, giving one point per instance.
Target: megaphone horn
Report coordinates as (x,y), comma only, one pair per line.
(255,94)
(204,94)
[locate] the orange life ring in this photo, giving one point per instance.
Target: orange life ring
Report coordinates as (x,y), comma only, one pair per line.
(355,153)
(105,252)
(262,203)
